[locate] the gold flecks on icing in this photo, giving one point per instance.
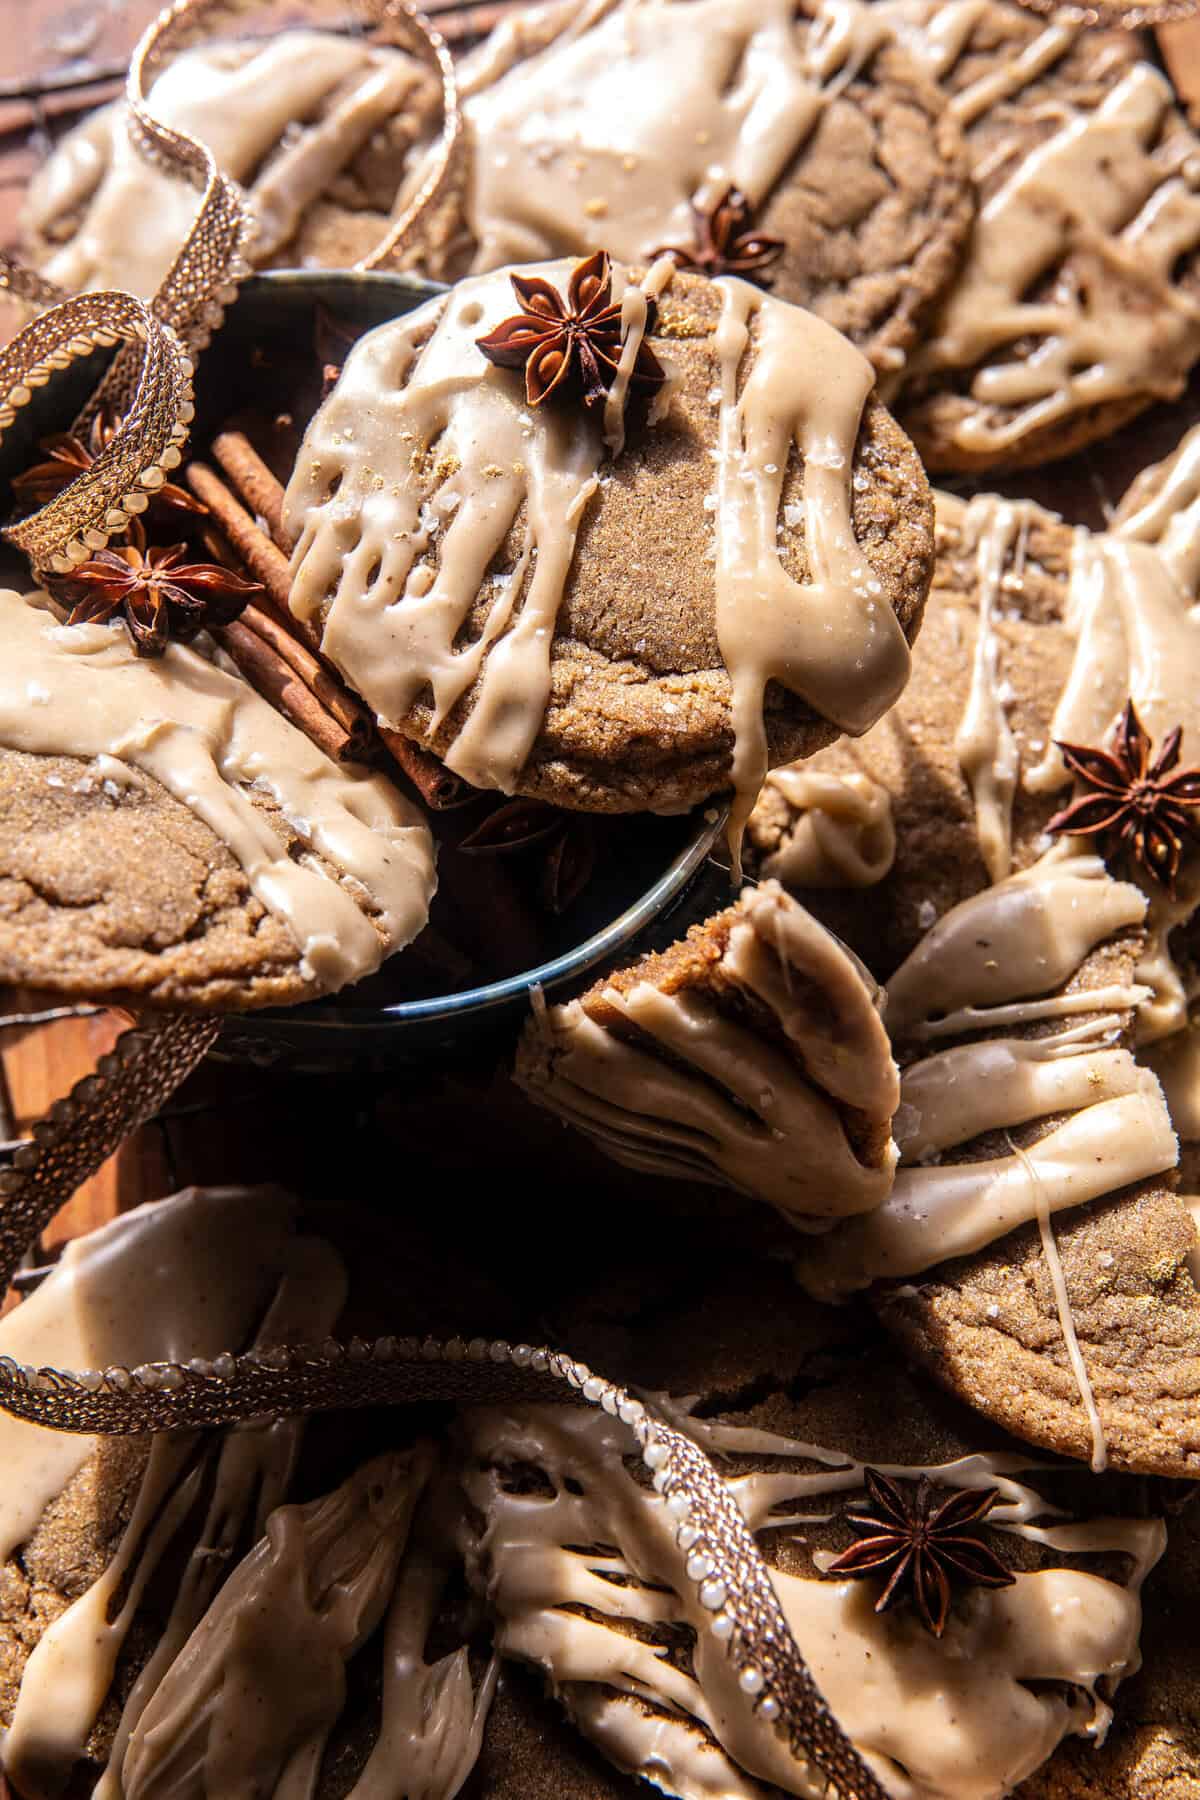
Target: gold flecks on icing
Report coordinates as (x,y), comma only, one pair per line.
(842,835)
(726,1102)
(241,100)
(606,138)
(395,571)
(1093,190)
(971,1715)
(209,738)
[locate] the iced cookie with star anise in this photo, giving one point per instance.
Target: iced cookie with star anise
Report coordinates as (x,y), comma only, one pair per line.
(798,147)
(611,538)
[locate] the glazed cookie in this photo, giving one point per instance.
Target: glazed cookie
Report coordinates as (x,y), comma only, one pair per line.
(751,1053)
(1022,971)
(597,125)
(608,618)
(585,1573)
(1078,302)
(167,838)
(317,127)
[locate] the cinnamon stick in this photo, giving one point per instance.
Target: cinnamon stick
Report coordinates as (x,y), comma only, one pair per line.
(265,560)
(349,712)
(275,679)
(253,480)
(437,786)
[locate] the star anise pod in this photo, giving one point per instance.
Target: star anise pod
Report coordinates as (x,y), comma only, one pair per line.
(927,1540)
(158,593)
(573,342)
(1146,810)
(566,840)
(68,456)
(725,241)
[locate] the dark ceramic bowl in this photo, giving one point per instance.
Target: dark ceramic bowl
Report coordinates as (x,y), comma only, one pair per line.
(626,908)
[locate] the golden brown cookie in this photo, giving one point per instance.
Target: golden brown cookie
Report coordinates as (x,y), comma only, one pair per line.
(843,161)
(166,838)
(581,605)
(1078,302)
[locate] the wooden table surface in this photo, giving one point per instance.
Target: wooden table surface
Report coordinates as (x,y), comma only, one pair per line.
(58,57)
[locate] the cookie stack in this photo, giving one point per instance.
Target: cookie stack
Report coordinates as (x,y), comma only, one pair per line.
(855,1213)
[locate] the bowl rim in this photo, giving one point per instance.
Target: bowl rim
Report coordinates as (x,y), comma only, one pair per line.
(304,1020)
(474,1001)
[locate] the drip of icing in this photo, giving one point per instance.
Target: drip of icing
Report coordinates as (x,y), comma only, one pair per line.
(932,1718)
(207,737)
(608,136)
(249,1702)
(834,640)
(240,100)
(986,748)
(1168,517)
(394,573)
(843,835)
(1023,937)
(71,1669)
(1138,636)
(949,1210)
(181,1278)
(936,36)
(1093,188)
(1066,1318)
(432,1725)
(759,1112)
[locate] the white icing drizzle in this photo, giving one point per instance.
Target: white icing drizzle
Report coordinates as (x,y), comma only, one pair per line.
(1025,936)
(399,569)
(686,1091)
(1094,188)
(71,1668)
(842,834)
(180,1278)
(932,1719)
(208,737)
(607,136)
(241,100)
(835,640)
(973,972)
(936,36)
(1138,636)
(1162,508)
(248,1704)
(985,745)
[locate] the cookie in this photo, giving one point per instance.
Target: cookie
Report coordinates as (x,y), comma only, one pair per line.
(317,127)
(750,1053)
(167,838)
(613,610)
(586,131)
(1023,967)
(1078,300)
(586,1580)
